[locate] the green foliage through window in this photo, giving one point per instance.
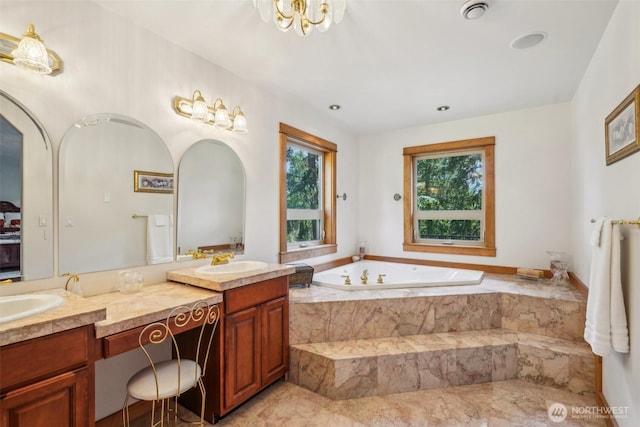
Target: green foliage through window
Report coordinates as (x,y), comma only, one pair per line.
(304,190)
(448,189)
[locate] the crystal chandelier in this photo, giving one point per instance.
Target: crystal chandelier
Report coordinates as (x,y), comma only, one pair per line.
(302,15)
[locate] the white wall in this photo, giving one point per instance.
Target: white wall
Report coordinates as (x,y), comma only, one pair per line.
(531,182)
(599,190)
(112,66)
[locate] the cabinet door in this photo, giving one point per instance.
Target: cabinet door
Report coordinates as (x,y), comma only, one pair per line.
(242,342)
(275,339)
(61,401)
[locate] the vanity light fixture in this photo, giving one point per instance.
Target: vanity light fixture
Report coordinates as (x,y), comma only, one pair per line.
(302,15)
(217,114)
(29,53)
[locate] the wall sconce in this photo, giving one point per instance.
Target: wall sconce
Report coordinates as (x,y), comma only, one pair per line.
(29,53)
(217,114)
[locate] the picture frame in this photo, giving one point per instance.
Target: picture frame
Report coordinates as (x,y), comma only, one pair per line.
(622,128)
(152,182)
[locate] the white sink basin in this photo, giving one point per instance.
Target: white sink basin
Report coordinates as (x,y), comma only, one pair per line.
(234,267)
(20,306)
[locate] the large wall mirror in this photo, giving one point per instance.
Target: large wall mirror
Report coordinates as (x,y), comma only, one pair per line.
(211,198)
(115,196)
(26,194)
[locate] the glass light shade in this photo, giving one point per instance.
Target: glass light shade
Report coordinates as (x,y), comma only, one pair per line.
(31,54)
(222,117)
(240,123)
(199,111)
(265,7)
(339,7)
(325,24)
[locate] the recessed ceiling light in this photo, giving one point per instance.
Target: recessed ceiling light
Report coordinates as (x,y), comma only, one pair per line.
(528,40)
(474,9)
(443,108)
(334,107)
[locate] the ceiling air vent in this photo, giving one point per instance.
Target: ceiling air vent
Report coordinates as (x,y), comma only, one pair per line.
(474,9)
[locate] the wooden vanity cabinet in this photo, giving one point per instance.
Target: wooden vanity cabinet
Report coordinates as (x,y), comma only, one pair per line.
(48,381)
(251,346)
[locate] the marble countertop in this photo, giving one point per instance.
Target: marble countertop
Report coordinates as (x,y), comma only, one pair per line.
(152,303)
(74,313)
(224,282)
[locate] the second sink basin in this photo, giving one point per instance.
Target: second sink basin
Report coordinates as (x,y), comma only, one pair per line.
(21,306)
(234,267)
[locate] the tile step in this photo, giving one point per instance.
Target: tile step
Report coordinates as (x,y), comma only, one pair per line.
(373,367)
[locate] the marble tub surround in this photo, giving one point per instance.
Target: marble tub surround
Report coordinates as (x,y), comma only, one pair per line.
(224,282)
(346,345)
(552,317)
(152,303)
(492,283)
(323,314)
(375,367)
(74,313)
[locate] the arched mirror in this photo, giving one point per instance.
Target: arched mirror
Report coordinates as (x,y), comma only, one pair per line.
(211,198)
(26,194)
(115,196)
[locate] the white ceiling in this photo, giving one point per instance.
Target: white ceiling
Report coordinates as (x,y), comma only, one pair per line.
(390,63)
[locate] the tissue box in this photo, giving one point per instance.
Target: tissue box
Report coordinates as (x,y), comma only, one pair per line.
(302,277)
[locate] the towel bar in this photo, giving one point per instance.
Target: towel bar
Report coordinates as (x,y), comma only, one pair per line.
(624,221)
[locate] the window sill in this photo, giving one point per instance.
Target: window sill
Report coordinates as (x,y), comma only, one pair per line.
(310,252)
(450,249)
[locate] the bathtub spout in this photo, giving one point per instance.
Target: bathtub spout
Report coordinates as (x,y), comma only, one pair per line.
(364,277)
(380,276)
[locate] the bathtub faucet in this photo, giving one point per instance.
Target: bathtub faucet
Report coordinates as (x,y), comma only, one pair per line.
(364,277)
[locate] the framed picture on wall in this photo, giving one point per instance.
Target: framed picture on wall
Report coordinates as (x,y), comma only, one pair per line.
(152,182)
(622,128)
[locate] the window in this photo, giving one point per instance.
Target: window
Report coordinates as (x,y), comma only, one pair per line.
(449,197)
(307,195)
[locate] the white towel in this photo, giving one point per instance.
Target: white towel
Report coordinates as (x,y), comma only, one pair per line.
(606,322)
(159,239)
(595,234)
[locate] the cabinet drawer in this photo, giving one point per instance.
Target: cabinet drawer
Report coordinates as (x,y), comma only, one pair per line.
(39,358)
(255,294)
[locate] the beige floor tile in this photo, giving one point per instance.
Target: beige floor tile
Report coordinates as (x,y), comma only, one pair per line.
(504,403)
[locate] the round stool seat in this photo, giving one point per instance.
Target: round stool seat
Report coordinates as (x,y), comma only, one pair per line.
(142,385)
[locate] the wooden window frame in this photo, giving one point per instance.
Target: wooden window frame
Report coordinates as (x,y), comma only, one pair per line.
(487,145)
(329,151)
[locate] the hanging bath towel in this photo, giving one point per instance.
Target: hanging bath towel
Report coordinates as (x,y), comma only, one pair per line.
(159,239)
(606,323)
